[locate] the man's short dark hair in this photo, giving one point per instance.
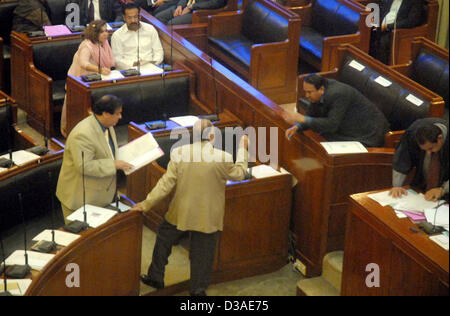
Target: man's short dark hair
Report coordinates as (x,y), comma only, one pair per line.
(130,6)
(428,133)
(316,80)
(108,103)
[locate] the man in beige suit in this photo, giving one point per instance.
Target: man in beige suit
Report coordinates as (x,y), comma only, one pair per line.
(95,137)
(198,174)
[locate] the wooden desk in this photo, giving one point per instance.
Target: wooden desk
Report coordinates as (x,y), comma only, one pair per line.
(108,257)
(410,263)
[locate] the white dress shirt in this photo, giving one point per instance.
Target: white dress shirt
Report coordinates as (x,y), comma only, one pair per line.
(125,42)
(96,9)
(392,15)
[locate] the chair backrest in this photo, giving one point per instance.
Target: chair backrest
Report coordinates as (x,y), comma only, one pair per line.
(6,19)
(431,71)
(262,25)
(37,193)
(332,18)
(54,58)
(6,129)
(392,101)
(57,11)
(149,100)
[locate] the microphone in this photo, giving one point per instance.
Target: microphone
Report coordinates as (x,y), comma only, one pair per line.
(39,150)
(2,268)
(43,245)
(99,60)
(77,226)
(21,271)
(432,229)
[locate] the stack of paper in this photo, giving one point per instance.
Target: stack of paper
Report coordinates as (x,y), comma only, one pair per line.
(114,75)
(61,238)
(56,30)
(337,148)
(95,217)
(149,69)
(185,121)
(439,216)
(37,261)
(16,287)
(263,171)
(22,157)
(413,202)
(441,240)
(140,152)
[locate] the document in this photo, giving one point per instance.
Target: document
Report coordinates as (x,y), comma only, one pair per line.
(22,157)
(354,64)
(95,216)
(114,75)
(149,69)
(413,202)
(16,287)
(383,81)
(122,207)
(441,240)
(140,152)
(263,171)
(439,216)
(185,121)
(61,238)
(414,100)
(36,260)
(56,30)
(337,148)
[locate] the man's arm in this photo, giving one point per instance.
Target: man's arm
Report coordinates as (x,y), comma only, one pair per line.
(414,17)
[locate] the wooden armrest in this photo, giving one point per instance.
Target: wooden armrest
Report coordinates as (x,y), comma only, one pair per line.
(270,47)
(393,138)
(330,49)
(201,16)
(404,69)
(226,23)
(305,13)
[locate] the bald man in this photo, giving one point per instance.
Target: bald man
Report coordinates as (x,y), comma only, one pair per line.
(198,174)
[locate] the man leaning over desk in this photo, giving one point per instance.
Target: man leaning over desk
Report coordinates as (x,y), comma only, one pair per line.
(424,146)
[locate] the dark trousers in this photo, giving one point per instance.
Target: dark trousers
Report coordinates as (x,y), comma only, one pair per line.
(202,252)
(380,45)
(166,17)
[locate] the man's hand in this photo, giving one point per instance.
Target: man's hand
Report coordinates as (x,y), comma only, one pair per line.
(292,117)
(434,194)
(106,71)
(291,132)
(178,11)
(398,192)
(122,165)
(138,207)
(186,10)
(384,27)
(158,3)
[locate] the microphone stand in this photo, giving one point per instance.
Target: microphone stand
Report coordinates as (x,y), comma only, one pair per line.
(21,271)
(78,226)
(3,268)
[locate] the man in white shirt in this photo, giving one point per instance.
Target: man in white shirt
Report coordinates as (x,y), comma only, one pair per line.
(133,33)
(394,14)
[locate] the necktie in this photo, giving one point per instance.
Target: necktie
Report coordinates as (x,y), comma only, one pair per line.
(108,141)
(434,172)
(91,11)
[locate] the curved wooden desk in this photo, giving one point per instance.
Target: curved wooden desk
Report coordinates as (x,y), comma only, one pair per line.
(109,260)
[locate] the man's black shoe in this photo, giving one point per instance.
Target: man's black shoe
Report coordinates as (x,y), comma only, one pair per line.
(148,281)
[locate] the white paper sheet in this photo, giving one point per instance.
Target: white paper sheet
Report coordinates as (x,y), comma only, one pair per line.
(140,152)
(354,64)
(61,238)
(414,100)
(438,217)
(16,287)
(413,202)
(36,260)
(185,121)
(149,69)
(122,207)
(336,148)
(383,81)
(114,75)
(263,171)
(441,240)
(22,157)
(3,170)
(96,216)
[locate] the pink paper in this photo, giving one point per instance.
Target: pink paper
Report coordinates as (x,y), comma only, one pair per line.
(56,30)
(416,217)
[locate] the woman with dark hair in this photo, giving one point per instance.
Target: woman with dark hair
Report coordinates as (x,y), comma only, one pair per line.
(94,54)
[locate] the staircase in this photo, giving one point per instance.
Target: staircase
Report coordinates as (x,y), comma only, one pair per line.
(329,283)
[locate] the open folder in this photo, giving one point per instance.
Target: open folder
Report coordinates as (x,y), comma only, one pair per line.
(140,152)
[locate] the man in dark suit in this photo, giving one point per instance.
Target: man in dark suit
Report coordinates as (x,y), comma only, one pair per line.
(107,10)
(181,12)
(394,14)
(339,112)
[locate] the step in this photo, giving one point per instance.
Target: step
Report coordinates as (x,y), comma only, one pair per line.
(332,268)
(316,287)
